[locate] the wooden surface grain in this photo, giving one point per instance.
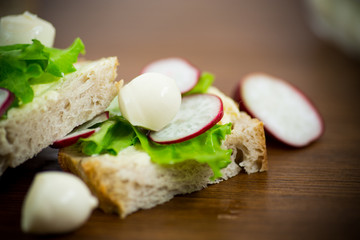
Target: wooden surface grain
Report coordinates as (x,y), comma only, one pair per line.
(308,193)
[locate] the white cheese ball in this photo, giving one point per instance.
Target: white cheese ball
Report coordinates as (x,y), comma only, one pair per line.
(15,29)
(150,100)
(57,202)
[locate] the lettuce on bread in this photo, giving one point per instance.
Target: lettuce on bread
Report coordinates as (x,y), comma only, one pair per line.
(48,91)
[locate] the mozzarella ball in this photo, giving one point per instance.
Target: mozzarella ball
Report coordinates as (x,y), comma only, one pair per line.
(150,100)
(15,29)
(57,202)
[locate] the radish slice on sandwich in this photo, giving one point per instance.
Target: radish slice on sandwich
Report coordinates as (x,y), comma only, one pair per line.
(82,131)
(73,137)
(184,73)
(197,114)
(102,117)
(6,98)
(287,114)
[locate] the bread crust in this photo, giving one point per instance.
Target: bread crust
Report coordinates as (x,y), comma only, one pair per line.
(52,114)
(130,181)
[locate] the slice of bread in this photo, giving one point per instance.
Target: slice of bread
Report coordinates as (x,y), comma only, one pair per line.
(131,181)
(56,109)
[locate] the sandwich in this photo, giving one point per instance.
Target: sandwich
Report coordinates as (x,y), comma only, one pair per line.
(151,148)
(45,92)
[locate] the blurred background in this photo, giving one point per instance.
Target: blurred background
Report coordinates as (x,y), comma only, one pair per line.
(230,38)
(307,193)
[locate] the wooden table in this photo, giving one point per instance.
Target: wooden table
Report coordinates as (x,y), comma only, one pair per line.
(308,193)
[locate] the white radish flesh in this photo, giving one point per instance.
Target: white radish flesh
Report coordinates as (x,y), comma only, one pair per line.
(286,112)
(197,114)
(82,131)
(184,73)
(97,119)
(6,98)
(72,138)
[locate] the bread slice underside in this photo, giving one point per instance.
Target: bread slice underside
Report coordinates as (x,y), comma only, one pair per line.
(131,181)
(56,109)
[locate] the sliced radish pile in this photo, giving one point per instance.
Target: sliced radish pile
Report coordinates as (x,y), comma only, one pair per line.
(287,114)
(184,73)
(83,131)
(197,114)
(6,98)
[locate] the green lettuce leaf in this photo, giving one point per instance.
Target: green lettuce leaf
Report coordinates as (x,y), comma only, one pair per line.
(23,65)
(205,81)
(117,133)
(205,148)
(114,135)
(61,61)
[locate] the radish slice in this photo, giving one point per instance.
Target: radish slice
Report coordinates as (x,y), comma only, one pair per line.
(6,98)
(287,114)
(197,114)
(72,138)
(82,131)
(184,73)
(97,119)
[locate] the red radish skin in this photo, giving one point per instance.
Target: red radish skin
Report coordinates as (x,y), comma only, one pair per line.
(73,138)
(198,113)
(6,99)
(182,71)
(82,131)
(276,130)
